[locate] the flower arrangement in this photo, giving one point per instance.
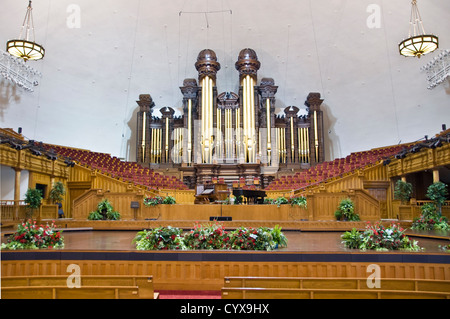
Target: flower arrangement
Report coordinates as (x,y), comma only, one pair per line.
(430,219)
(162,238)
(29,235)
(378,237)
(210,236)
(157,200)
(260,238)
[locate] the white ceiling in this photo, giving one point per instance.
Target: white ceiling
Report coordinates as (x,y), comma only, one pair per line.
(94,72)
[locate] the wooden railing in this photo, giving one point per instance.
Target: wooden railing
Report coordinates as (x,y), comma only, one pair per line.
(12,210)
(92,287)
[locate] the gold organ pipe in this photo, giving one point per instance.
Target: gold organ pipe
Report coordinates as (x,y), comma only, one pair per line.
(219,133)
(144,119)
(159,148)
(152,146)
(307,145)
(167,140)
(269,137)
(189,136)
(238,133)
(316,138)
(300,144)
(292,141)
(253,128)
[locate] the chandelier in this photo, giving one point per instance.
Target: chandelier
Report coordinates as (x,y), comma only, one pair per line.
(437,69)
(22,47)
(17,71)
(418,42)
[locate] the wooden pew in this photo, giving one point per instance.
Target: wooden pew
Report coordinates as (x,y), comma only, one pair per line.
(295,293)
(337,283)
(324,287)
(93,287)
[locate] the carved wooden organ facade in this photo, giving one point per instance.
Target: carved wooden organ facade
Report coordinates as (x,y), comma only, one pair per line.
(230,128)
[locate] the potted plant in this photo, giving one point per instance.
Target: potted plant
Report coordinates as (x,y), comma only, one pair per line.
(438,193)
(346,210)
(104,211)
(33,197)
(403,191)
(57,192)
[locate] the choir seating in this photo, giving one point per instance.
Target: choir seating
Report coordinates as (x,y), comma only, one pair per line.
(335,288)
(128,171)
(332,169)
(92,287)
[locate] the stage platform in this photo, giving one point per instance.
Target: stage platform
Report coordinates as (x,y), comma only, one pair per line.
(308,254)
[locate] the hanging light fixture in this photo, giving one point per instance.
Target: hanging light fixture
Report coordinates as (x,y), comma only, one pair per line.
(418,42)
(23,47)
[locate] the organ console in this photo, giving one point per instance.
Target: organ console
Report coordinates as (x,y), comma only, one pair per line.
(240,128)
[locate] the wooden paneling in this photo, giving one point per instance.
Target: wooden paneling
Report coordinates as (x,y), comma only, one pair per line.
(202,275)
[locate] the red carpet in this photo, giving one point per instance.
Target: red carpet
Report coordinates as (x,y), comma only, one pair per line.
(189,294)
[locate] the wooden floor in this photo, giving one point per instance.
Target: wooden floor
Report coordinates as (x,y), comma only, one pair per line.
(298,241)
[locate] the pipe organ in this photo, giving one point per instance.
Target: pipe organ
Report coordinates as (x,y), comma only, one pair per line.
(226,129)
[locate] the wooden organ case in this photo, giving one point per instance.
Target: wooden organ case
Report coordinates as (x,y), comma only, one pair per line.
(230,135)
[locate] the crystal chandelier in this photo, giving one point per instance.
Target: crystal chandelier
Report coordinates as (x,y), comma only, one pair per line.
(23,47)
(17,71)
(437,69)
(418,42)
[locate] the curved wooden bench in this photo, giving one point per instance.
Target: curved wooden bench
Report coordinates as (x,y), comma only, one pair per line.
(91,286)
(337,283)
(293,293)
(331,288)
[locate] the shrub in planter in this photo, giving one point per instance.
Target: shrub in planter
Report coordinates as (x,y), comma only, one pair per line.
(438,193)
(403,191)
(299,201)
(162,238)
(33,197)
(346,210)
(104,211)
(29,235)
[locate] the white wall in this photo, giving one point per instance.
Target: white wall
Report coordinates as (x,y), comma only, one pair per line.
(7,182)
(94,73)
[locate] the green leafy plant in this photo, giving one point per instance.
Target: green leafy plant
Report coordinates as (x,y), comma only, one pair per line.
(104,211)
(378,237)
(158,200)
(279,238)
(299,201)
(403,191)
(169,200)
(346,210)
(162,238)
(57,192)
(95,215)
(438,193)
(278,201)
(33,197)
(430,219)
(29,235)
